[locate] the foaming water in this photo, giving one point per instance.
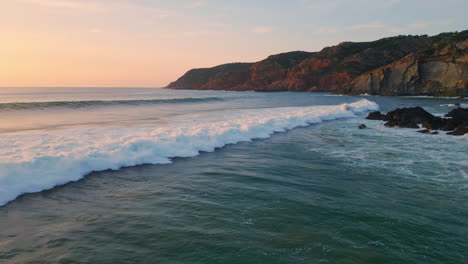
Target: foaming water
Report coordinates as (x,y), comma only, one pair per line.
(322,191)
(35,162)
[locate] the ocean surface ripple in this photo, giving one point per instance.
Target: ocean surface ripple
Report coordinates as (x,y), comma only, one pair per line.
(225,177)
(82,104)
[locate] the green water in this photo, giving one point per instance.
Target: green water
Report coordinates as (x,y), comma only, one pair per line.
(327,193)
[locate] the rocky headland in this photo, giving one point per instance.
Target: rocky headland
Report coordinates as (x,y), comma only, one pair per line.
(439,70)
(401,65)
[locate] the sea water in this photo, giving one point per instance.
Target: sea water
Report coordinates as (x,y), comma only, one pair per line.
(132,175)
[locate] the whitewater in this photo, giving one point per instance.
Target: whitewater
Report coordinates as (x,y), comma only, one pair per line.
(142,175)
(36,161)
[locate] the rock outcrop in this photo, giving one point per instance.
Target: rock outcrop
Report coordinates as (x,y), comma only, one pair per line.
(376,116)
(327,70)
(440,70)
(407,117)
(459,117)
(456,120)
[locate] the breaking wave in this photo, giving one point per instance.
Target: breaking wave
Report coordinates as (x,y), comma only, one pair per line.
(36,162)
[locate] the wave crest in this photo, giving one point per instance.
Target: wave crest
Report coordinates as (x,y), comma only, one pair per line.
(32,163)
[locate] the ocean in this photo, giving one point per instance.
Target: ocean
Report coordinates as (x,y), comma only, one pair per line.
(140,175)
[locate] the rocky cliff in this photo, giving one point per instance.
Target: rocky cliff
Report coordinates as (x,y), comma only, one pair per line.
(334,67)
(327,70)
(232,75)
(440,70)
(402,65)
(241,76)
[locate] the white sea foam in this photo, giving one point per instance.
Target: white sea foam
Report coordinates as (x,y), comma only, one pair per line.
(455,105)
(34,162)
(434,97)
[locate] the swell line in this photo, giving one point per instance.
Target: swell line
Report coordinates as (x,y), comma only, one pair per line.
(84,104)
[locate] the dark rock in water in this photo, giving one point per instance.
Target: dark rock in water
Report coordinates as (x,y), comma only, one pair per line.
(413,114)
(441,124)
(457,104)
(362,126)
(408,117)
(424,131)
(449,125)
(458,114)
(457,121)
(460,130)
(395,123)
(434,124)
(376,116)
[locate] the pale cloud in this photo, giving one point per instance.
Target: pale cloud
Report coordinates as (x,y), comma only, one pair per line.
(219,25)
(322,5)
(261,29)
(426,24)
(198,34)
(372,25)
(195,33)
(325,30)
(151,11)
(161,13)
(95,5)
(332,5)
(418,25)
(196,4)
(394,29)
(70,4)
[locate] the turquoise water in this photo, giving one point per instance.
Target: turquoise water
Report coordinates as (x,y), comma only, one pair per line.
(324,193)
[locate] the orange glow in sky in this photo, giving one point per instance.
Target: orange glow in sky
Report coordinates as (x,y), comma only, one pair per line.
(148,43)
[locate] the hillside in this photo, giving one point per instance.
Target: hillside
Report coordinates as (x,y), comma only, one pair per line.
(327,70)
(439,70)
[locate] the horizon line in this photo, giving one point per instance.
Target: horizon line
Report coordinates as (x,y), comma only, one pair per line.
(123,87)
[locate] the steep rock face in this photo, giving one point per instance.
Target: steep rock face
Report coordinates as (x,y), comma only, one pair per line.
(267,73)
(327,70)
(441,70)
(336,66)
(241,76)
(232,75)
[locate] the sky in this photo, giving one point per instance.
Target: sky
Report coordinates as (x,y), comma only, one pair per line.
(149,43)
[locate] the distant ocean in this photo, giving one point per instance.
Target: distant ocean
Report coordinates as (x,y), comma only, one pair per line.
(140,175)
